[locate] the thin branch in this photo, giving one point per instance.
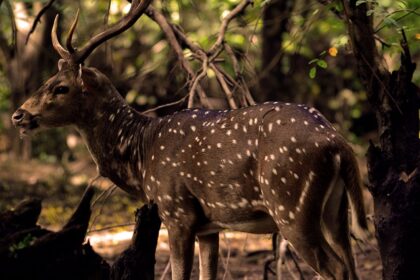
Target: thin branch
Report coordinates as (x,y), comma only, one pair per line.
(177,40)
(107,193)
(111,227)
(166,105)
(197,81)
(379,26)
(106,16)
(227,257)
(38,19)
(242,83)
(382,41)
(221,79)
(332,8)
(13,46)
(225,23)
(184,40)
(166,270)
(168,30)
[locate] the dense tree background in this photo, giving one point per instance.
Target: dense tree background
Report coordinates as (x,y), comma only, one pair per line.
(291,51)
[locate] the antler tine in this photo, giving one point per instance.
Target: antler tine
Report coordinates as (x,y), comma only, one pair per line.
(71,32)
(56,43)
(136,10)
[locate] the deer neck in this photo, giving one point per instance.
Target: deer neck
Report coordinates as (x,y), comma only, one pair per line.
(115,139)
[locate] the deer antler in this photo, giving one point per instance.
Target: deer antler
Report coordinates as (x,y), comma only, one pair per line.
(78,56)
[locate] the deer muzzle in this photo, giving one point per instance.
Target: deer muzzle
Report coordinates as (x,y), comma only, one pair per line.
(25,121)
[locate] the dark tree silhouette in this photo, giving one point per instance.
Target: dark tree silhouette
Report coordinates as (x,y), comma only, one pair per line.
(394,163)
(276,21)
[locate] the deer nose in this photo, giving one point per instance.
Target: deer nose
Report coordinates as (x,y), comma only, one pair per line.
(18,116)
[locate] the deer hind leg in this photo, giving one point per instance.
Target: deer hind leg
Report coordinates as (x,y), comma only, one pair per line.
(336,223)
(312,246)
(307,235)
(208,253)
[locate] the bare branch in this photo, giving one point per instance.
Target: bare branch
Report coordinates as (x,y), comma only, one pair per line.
(225,23)
(197,80)
(165,105)
(168,30)
(242,84)
(13,46)
(166,270)
(221,79)
(38,19)
(332,9)
(110,227)
(177,40)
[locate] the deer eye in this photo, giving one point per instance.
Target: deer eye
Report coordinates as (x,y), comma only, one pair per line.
(61,90)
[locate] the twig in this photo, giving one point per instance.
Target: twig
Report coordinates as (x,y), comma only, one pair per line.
(225,23)
(228,256)
(221,79)
(13,46)
(108,193)
(332,8)
(404,46)
(196,81)
(165,271)
(379,26)
(168,30)
(382,41)
(38,19)
(242,84)
(292,256)
(111,227)
(166,105)
(91,184)
(177,38)
(281,258)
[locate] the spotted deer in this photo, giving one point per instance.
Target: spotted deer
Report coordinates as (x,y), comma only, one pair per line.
(275,167)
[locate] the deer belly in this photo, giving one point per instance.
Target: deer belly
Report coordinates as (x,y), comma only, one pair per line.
(260,225)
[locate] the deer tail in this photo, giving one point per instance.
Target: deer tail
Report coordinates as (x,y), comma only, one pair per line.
(350,174)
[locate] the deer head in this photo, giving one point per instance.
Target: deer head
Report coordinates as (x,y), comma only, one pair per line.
(70,96)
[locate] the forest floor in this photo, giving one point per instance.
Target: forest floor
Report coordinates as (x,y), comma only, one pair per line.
(242,256)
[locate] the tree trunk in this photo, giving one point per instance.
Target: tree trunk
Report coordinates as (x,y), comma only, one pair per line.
(276,17)
(138,261)
(25,63)
(394,165)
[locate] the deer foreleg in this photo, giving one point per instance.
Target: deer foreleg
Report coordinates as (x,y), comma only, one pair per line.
(181,242)
(208,253)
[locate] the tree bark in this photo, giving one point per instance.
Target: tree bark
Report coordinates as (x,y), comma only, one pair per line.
(28,251)
(394,164)
(138,261)
(276,17)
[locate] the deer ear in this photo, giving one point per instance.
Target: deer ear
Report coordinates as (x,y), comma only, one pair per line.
(89,79)
(61,63)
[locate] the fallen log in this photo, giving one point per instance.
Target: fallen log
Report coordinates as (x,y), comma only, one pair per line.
(28,251)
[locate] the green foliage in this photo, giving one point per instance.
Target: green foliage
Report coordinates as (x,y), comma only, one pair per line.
(25,242)
(142,58)
(318,62)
